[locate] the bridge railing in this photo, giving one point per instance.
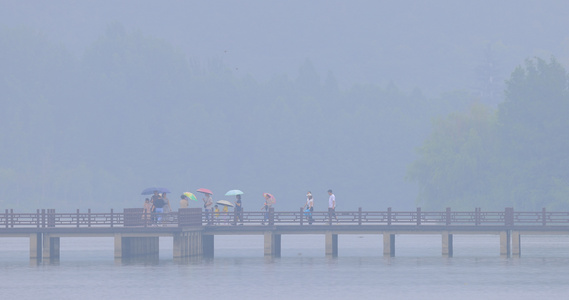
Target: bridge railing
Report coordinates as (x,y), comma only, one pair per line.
(135,217)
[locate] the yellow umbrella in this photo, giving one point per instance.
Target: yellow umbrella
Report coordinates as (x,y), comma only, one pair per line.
(190,196)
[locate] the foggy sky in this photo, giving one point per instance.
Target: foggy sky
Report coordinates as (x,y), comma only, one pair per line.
(424,44)
(435,46)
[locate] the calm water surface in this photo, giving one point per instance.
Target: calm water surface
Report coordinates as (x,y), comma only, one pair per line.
(87,270)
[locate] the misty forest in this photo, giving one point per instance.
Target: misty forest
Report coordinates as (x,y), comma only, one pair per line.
(93,128)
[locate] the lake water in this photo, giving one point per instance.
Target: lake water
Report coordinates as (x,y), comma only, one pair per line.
(87,270)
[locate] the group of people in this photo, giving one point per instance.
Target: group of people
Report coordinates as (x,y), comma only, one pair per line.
(309,207)
(212,211)
(155,207)
(158,204)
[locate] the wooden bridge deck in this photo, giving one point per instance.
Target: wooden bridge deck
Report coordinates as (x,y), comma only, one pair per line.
(137,234)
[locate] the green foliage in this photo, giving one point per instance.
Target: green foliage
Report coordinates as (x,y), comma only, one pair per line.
(455,162)
(516,157)
(533,125)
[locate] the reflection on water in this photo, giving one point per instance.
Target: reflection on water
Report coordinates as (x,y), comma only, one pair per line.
(87,270)
(143,260)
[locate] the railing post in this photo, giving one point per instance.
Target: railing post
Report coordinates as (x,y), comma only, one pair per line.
(301,216)
(148,218)
(78,218)
(12,217)
(509,216)
(418,216)
(476,216)
(43,217)
(112,218)
(448,216)
(543,216)
(51,217)
(89,217)
(272,216)
(389,216)
(360,216)
(6,218)
(37,218)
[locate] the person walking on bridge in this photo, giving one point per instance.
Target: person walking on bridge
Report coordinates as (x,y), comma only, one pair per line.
(208,206)
(159,208)
(238,210)
(147,212)
(309,207)
(269,201)
(332,207)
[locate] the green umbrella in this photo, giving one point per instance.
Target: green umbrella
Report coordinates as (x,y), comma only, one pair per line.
(233,193)
(190,196)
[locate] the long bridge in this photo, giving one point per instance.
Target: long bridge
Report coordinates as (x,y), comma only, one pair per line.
(137,234)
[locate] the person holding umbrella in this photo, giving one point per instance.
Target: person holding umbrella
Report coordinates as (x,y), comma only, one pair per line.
(159,208)
(152,199)
(184,201)
(269,201)
(208,205)
(238,210)
(225,211)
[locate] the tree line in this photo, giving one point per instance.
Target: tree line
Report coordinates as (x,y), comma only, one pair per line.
(516,155)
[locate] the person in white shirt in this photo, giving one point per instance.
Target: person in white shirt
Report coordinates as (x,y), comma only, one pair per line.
(309,207)
(208,206)
(332,206)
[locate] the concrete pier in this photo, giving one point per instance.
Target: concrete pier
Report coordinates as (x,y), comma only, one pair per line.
(505,249)
(192,244)
(331,244)
(272,244)
(50,247)
(136,246)
(208,245)
(388,244)
(516,244)
(35,246)
(447,250)
(199,241)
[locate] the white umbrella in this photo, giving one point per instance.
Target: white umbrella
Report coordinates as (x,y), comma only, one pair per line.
(225,203)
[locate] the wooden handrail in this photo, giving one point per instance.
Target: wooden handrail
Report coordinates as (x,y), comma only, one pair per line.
(509,217)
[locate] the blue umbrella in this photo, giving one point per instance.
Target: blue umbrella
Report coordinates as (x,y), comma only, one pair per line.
(233,193)
(150,190)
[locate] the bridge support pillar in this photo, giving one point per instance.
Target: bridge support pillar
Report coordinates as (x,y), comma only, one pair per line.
(447,244)
(272,244)
(388,244)
(35,246)
(505,243)
(118,245)
(196,244)
(192,244)
(180,243)
(516,244)
(208,242)
(129,247)
(50,247)
(331,244)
